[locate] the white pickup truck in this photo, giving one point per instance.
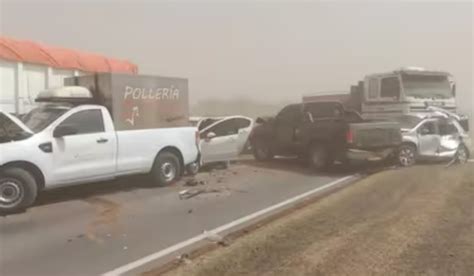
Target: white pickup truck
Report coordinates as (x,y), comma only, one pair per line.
(60,144)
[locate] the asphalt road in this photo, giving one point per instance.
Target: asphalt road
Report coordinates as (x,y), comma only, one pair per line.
(92,229)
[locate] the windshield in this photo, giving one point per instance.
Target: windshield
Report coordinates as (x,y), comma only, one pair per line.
(41,117)
(408,122)
(10,131)
(422,86)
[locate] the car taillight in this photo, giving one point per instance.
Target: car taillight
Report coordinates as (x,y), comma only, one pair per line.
(349,137)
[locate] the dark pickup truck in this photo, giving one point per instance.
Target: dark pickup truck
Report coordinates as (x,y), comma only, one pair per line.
(322,133)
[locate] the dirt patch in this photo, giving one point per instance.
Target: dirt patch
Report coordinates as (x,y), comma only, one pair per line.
(106,215)
(412,221)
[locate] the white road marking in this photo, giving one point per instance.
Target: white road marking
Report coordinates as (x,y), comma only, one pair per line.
(155,256)
(470,160)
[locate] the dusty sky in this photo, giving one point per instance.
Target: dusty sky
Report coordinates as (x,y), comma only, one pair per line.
(265,51)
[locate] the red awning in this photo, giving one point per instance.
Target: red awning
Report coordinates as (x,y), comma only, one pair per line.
(31,52)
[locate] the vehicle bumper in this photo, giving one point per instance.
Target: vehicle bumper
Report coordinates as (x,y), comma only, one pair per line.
(366,155)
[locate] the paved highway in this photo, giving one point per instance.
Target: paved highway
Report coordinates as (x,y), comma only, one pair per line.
(93,229)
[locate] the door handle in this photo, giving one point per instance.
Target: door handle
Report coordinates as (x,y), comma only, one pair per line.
(102,140)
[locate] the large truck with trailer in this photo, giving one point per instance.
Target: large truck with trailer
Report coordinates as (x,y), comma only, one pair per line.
(408,90)
(123,125)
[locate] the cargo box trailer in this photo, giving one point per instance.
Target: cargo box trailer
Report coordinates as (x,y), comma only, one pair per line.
(139,101)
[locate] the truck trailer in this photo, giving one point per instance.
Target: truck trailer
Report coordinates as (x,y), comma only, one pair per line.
(139,101)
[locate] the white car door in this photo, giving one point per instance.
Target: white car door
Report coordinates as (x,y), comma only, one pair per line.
(429,139)
(219,141)
(450,139)
(87,152)
(245,126)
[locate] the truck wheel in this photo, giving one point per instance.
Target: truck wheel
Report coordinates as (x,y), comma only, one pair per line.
(262,151)
(319,157)
(166,169)
(406,155)
(18,190)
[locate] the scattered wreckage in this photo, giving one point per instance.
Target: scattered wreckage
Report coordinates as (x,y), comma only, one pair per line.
(324,132)
(423,101)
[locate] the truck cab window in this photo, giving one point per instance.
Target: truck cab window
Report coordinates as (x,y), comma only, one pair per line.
(290,114)
(84,122)
(324,110)
(390,88)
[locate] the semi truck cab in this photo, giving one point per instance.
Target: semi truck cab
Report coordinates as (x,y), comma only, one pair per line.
(403,91)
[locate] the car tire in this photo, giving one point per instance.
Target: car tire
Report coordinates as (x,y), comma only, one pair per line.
(319,157)
(193,168)
(462,155)
(18,190)
(262,151)
(406,155)
(166,169)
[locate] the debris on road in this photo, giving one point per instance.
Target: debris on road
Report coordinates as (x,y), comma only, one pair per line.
(456,160)
(184,258)
(107,214)
(187,194)
(452,162)
(194,182)
(215,238)
(191,182)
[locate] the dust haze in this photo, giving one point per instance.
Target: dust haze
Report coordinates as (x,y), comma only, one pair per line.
(263,54)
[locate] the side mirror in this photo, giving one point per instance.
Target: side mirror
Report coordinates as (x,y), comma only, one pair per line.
(210,135)
(61,131)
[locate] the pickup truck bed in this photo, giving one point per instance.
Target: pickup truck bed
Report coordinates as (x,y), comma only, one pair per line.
(372,140)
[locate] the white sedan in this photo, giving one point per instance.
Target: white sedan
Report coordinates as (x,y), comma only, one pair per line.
(223,138)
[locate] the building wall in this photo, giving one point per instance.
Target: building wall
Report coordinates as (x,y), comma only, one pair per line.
(20,83)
